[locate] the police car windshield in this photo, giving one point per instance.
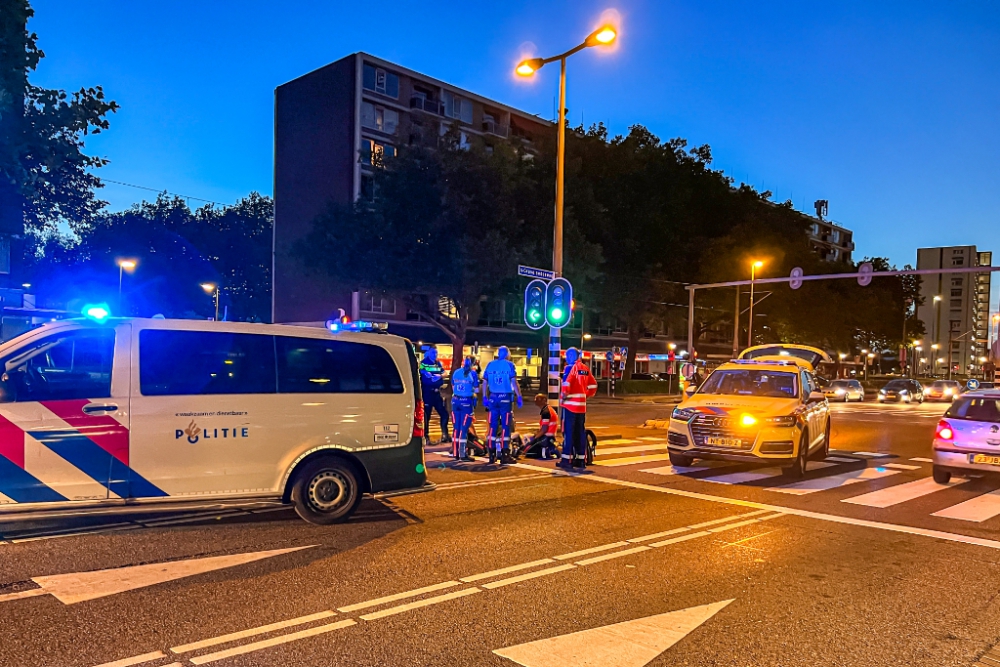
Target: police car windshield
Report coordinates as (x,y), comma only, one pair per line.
(975,408)
(751,382)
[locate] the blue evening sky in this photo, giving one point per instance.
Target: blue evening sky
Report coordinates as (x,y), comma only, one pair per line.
(889,110)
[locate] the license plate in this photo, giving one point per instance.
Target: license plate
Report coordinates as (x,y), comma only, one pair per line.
(988,459)
(725,442)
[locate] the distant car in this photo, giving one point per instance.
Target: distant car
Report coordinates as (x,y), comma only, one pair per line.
(901,391)
(942,390)
(968,437)
(844,390)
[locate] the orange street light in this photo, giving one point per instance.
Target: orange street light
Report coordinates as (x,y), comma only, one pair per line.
(123,266)
(756,264)
(213,289)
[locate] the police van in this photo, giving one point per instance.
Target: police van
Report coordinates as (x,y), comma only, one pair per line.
(106,411)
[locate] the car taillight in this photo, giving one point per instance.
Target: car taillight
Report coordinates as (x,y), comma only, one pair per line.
(944,431)
(418,420)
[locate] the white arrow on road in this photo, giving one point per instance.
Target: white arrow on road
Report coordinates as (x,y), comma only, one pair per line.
(629,644)
(81,586)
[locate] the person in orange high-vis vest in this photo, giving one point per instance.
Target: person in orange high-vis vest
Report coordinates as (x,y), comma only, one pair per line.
(578,385)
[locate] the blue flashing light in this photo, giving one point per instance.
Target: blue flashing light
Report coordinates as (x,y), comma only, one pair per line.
(336,326)
(99,312)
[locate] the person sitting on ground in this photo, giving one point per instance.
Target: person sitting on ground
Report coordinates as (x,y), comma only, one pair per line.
(548,427)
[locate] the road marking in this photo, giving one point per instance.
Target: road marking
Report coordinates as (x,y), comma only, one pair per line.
(833,481)
(93,530)
(268,643)
(592,550)
(618,554)
(134,660)
(900,466)
(893,495)
(81,586)
(505,570)
(872,455)
(398,596)
(260,630)
(713,522)
(20,595)
(629,460)
(841,459)
(652,438)
(529,575)
(646,538)
(674,470)
(808,514)
(602,451)
(730,526)
(421,603)
(683,538)
(618,441)
(632,643)
(743,477)
(977,510)
(922,460)
(193,519)
(487,482)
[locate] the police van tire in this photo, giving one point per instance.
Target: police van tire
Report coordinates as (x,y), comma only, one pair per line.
(326,491)
(680,460)
(798,468)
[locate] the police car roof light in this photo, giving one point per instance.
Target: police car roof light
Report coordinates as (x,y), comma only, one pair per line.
(98,312)
(336,326)
(764,362)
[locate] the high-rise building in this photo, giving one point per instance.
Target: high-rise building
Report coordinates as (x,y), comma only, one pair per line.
(956,310)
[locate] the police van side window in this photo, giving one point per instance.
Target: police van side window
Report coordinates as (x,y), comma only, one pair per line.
(316,366)
(188,363)
(62,367)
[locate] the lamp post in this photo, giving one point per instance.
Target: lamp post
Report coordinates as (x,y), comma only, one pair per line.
(868,361)
(601,37)
(213,290)
(753,276)
(935,347)
(123,266)
(937,318)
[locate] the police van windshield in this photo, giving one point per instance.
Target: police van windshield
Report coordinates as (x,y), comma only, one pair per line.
(975,408)
(751,382)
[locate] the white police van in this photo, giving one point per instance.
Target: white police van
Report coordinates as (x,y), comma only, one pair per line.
(114,411)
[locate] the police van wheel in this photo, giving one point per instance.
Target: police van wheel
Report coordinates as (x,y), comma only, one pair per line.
(326,491)
(798,468)
(680,460)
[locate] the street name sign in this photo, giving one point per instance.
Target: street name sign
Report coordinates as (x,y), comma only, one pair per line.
(532,272)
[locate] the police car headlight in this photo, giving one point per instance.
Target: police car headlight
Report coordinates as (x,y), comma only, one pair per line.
(682,414)
(786,420)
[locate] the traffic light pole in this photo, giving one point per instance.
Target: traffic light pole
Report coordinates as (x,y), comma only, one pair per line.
(555,335)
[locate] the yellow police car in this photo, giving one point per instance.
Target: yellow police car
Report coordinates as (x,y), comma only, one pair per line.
(766,409)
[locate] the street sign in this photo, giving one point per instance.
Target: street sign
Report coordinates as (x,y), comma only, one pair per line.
(609,355)
(796,278)
(972,384)
(532,272)
(865,274)
(670,369)
(687,370)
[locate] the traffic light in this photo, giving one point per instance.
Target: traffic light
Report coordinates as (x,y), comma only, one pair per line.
(558,303)
(534,304)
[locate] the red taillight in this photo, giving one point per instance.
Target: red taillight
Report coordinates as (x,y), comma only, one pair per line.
(944,431)
(418,420)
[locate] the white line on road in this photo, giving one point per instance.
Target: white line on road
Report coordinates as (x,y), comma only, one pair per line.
(487,482)
(398,596)
(629,460)
(900,493)
(20,595)
(618,441)
(505,570)
(421,603)
(900,466)
(135,660)
(646,538)
(977,510)
(833,481)
(738,524)
(263,629)
(592,550)
(674,470)
(683,538)
(268,643)
(872,455)
(648,447)
(922,460)
(619,554)
(530,575)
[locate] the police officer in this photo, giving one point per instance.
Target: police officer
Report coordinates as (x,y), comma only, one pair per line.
(464,388)
(431,382)
(500,388)
(578,385)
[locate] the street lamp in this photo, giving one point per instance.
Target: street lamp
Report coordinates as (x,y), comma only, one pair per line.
(603,36)
(213,289)
(753,276)
(123,266)
(868,361)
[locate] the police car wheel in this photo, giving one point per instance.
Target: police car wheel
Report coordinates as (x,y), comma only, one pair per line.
(798,469)
(326,491)
(680,460)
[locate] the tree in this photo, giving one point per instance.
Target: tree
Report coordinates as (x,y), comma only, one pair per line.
(446,228)
(45,176)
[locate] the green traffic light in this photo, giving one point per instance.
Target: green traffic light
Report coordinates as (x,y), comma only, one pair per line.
(557,314)
(535,315)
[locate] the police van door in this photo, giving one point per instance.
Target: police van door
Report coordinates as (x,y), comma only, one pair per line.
(64,416)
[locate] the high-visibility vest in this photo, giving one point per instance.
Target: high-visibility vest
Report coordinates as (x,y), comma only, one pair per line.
(578,385)
(549,423)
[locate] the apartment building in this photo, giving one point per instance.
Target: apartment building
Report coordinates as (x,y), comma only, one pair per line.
(956,309)
(831,241)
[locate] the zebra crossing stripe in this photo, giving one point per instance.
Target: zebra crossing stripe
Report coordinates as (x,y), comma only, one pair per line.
(834,481)
(978,509)
(901,493)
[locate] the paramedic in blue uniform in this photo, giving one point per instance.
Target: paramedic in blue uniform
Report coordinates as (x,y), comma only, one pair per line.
(500,390)
(464,388)
(431,382)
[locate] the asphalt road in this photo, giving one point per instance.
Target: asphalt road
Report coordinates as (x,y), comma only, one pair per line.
(862,563)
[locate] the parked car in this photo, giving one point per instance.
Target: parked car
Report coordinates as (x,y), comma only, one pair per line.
(844,390)
(943,390)
(901,391)
(968,438)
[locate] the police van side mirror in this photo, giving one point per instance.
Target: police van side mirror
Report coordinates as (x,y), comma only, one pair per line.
(816,397)
(689,390)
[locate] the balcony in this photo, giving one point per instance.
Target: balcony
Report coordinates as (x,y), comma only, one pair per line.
(430,106)
(495,128)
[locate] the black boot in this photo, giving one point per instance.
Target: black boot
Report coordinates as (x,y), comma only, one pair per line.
(493,456)
(505,457)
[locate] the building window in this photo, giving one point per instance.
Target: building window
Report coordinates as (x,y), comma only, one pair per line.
(367,187)
(380,81)
(457,107)
(956,292)
(835,236)
(376,118)
(957,261)
(956,282)
(375,152)
(957,252)
(814,230)
(956,303)
(375,303)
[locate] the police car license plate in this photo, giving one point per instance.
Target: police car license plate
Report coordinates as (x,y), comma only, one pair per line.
(988,459)
(723,442)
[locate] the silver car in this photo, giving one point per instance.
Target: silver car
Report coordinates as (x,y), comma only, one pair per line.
(968,437)
(844,390)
